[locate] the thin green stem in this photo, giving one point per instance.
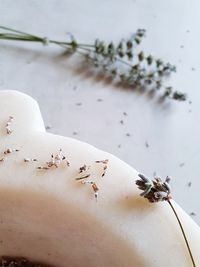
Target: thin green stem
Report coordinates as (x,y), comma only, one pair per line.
(60,43)
(80,46)
(31,38)
(124,62)
(16,31)
(86,45)
(37,37)
(20,39)
(183,232)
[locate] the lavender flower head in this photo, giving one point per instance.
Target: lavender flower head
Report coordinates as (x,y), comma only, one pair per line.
(154,190)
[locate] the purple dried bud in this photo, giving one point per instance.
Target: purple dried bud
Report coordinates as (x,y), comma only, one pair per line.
(154,190)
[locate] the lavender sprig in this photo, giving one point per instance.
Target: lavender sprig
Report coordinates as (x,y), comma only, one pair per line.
(155,190)
(124,62)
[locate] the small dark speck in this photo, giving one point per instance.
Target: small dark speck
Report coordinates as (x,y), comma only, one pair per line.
(125,114)
(28,62)
(189,111)
(47,127)
(181,46)
(119,146)
(154,174)
(74,87)
(128,134)
(188,31)
(146,144)
(79,104)
(190,102)
(99,100)
(182,164)
(189,184)
(192,213)
(121,122)
(75,133)
(193,69)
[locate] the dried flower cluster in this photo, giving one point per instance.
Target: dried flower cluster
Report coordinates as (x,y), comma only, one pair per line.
(84,168)
(154,190)
(131,67)
(85,174)
(55,161)
(105,165)
(124,62)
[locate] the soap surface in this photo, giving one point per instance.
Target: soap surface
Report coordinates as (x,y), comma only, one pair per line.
(48,215)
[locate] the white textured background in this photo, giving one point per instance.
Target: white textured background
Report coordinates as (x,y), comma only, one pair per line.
(171,129)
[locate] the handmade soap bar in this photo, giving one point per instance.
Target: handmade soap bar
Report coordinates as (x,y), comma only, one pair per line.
(66,203)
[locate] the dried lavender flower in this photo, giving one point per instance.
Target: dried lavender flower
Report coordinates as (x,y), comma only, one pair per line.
(84,168)
(154,190)
(179,96)
(55,161)
(120,61)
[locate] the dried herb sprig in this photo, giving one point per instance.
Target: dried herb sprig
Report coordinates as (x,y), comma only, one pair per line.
(123,61)
(156,190)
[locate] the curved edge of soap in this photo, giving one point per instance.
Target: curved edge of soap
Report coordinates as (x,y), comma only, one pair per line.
(162,211)
(193,235)
(24,107)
